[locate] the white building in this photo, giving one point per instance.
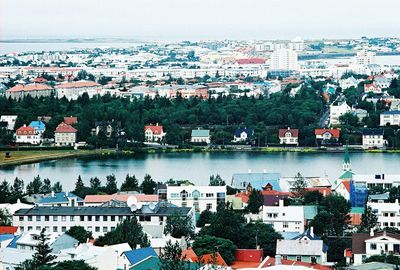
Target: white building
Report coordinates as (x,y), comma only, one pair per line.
(72,90)
(284,59)
(391,118)
(349,82)
(27,134)
(373,138)
(200,136)
(365,57)
(388,214)
(10,119)
(338,110)
(65,135)
(289,136)
(198,197)
(154,133)
(385,181)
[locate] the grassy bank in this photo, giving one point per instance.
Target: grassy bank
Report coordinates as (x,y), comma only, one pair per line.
(23,157)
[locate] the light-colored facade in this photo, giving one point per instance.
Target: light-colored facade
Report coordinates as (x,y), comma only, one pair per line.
(65,135)
(289,136)
(200,136)
(388,214)
(72,90)
(154,133)
(385,181)
(373,139)
(284,59)
(10,119)
(365,57)
(198,197)
(391,118)
(34,90)
(336,111)
(29,135)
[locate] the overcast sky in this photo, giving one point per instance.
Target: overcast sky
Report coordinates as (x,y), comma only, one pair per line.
(199,19)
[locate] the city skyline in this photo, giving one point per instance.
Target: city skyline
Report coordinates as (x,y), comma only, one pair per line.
(178,19)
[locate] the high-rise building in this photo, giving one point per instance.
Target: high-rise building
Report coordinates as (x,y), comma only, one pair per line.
(284,59)
(365,57)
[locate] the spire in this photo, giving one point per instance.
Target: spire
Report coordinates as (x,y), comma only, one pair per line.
(346,160)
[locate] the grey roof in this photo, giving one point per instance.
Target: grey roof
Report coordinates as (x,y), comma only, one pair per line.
(296,247)
(383,196)
(200,133)
(97,211)
(373,266)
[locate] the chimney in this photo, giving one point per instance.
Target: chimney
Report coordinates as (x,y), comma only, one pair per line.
(249,170)
(278,260)
(66,194)
(312,231)
(288,128)
(265,170)
(371,232)
(281,203)
(52,194)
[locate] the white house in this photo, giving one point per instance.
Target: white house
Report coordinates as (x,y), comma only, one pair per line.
(154,133)
(388,214)
(338,110)
(391,118)
(289,136)
(385,181)
(198,197)
(243,135)
(10,119)
(373,138)
(200,136)
(349,82)
(27,134)
(65,135)
(365,245)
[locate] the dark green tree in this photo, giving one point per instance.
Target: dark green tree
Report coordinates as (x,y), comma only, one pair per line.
(17,189)
(210,244)
(5,217)
(148,185)
(79,186)
(256,200)
(35,187)
(179,225)
(79,233)
(368,220)
(216,181)
(204,218)
(43,255)
(130,184)
(57,187)
(171,258)
(46,187)
(4,191)
(111,184)
(299,187)
(95,183)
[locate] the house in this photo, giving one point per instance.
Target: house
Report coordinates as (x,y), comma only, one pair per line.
(27,134)
(154,133)
(241,181)
(199,197)
(289,136)
(349,82)
(243,135)
(292,218)
(386,181)
(60,199)
(39,126)
(34,90)
(338,109)
(30,240)
(200,136)
(10,120)
(327,137)
(277,263)
(395,105)
(382,82)
(70,120)
(72,90)
(108,128)
(365,245)
(372,88)
(373,138)
(306,247)
(133,257)
(390,118)
(96,219)
(387,213)
(65,135)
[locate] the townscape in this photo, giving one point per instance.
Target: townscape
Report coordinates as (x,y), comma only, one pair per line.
(199,135)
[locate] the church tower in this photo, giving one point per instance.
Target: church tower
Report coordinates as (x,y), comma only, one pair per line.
(346,160)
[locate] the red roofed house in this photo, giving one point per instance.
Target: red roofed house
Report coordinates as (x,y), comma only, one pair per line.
(370,87)
(289,136)
(27,134)
(8,229)
(34,90)
(154,133)
(97,200)
(251,61)
(65,135)
(270,261)
(327,136)
(72,90)
(70,120)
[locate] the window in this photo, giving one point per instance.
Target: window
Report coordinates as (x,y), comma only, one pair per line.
(72,218)
(112,228)
(104,218)
(97,218)
(29,228)
(21,218)
(89,228)
(298,258)
(392,214)
(63,229)
(46,218)
(385,224)
(29,218)
(55,229)
(89,218)
(105,229)
(373,246)
(285,225)
(38,218)
(209,195)
(120,218)
(97,229)
(209,206)
(82,218)
(112,218)
(63,218)
(38,228)
(392,224)
(284,257)
(174,195)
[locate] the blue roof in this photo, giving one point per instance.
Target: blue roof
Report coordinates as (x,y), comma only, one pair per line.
(60,197)
(13,243)
(137,255)
(391,112)
(38,125)
(373,131)
(249,132)
(4,237)
(257,180)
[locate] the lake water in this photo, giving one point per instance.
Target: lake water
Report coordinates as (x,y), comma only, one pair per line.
(197,167)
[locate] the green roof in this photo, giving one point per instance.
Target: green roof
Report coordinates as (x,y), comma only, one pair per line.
(347,175)
(346,155)
(200,133)
(357,210)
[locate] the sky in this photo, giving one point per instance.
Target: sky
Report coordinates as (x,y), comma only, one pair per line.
(199,19)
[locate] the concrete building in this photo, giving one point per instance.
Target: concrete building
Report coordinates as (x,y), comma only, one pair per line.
(29,135)
(34,90)
(373,138)
(65,135)
(72,90)
(365,57)
(200,136)
(199,197)
(10,120)
(154,133)
(284,59)
(337,110)
(385,181)
(390,118)
(388,214)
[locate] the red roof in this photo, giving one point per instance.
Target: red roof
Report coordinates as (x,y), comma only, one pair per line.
(79,84)
(294,132)
(158,130)
(334,132)
(346,184)
(26,130)
(244,196)
(212,258)
(29,87)
(249,255)
(248,61)
(70,120)
(39,80)
(8,229)
(271,261)
(65,128)
(189,255)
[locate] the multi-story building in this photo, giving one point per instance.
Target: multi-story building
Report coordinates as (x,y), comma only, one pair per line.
(337,110)
(391,118)
(199,197)
(96,219)
(27,134)
(154,133)
(65,135)
(385,181)
(34,90)
(39,126)
(243,135)
(285,59)
(365,57)
(289,136)
(72,90)
(373,138)
(388,214)
(10,120)
(200,136)
(327,136)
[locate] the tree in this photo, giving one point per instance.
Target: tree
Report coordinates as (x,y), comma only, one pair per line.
(313,197)
(179,225)
(17,189)
(299,186)
(111,184)
(368,220)
(57,187)
(216,181)
(79,233)
(46,187)
(210,244)
(95,183)
(128,231)
(42,256)
(256,200)
(148,185)
(69,265)
(5,217)
(171,258)
(204,218)
(34,187)
(130,184)
(4,191)
(349,119)
(79,186)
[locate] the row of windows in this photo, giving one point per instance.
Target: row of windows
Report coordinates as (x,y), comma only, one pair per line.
(63,229)
(189,195)
(72,218)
